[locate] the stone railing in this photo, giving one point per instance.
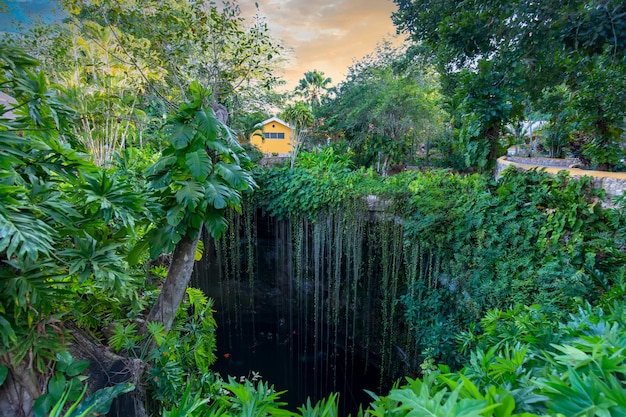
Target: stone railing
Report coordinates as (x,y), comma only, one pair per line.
(543,162)
(614,183)
(268,161)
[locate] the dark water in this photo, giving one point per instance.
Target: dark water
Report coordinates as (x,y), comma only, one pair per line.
(310,336)
(271,327)
(292,360)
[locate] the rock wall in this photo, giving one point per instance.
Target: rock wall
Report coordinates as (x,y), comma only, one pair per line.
(613,183)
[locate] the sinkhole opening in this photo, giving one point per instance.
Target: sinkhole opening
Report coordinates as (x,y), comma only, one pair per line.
(286,354)
(310,307)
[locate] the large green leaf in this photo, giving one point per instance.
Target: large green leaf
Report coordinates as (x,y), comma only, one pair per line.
(218,195)
(164,164)
(138,251)
(199,164)
(108,198)
(189,194)
(233,175)
(57,385)
(162,239)
(175,215)
(207,124)
(24,235)
(180,133)
(220,147)
(215,223)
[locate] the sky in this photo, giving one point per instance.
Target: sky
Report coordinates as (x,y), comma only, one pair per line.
(327,35)
(26,11)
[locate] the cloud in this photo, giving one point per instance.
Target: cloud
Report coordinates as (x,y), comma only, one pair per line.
(327,35)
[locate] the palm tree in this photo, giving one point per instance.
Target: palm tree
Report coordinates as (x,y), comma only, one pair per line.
(299,116)
(312,86)
(247,125)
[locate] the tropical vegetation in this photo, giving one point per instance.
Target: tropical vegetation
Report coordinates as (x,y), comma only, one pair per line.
(121,163)
(500,60)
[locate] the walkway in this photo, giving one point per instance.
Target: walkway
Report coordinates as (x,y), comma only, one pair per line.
(614,183)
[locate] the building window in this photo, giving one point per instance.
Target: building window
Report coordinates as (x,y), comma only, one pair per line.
(269,135)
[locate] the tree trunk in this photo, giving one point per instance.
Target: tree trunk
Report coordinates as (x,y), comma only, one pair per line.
(178,276)
(108,369)
(23,385)
(492,133)
(19,391)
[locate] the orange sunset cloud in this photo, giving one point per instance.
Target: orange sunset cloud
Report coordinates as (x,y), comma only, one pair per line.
(327,35)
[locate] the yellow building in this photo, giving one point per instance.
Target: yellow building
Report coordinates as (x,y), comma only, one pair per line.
(274,137)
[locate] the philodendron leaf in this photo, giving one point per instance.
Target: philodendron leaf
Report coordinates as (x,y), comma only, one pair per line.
(207,123)
(233,175)
(180,134)
(163,164)
(189,194)
(100,401)
(215,223)
(217,194)
(199,164)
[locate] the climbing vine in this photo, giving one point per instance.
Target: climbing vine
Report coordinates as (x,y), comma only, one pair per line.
(395,268)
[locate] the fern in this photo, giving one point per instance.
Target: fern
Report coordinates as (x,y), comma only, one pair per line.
(124,337)
(157,331)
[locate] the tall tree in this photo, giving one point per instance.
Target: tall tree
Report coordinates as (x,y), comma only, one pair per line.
(104,88)
(386,108)
(125,65)
(496,54)
(208,42)
(313,86)
(200,175)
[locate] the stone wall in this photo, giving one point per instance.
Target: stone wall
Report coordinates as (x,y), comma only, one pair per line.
(544,162)
(614,183)
(268,161)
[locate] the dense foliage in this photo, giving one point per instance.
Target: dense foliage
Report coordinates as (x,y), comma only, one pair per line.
(387,111)
(528,238)
(128,157)
(65,223)
(528,365)
(123,74)
(67,227)
(498,59)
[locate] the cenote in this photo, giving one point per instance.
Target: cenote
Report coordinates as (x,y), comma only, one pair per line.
(311,306)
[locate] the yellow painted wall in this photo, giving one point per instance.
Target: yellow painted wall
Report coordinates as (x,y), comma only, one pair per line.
(270,146)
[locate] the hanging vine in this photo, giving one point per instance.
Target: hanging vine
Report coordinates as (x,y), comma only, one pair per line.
(394,282)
